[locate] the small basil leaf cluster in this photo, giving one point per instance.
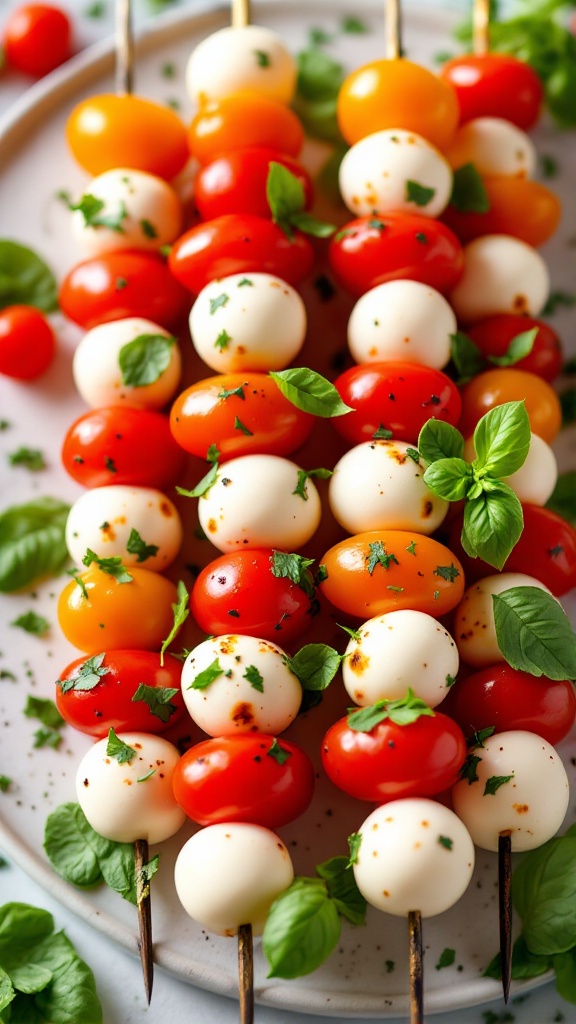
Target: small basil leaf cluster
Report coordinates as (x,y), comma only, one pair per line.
(286,199)
(493,518)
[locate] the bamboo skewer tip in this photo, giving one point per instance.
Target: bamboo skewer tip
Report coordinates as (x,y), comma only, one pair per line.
(246,973)
(416,967)
(144,918)
(505,910)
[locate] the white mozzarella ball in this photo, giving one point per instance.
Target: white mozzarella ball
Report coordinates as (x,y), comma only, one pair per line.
(404,320)
(414,854)
(395,170)
(536,479)
(234,684)
(397,651)
(103,519)
(474,627)
(144,210)
(133,799)
(501,275)
(494,146)
(252,504)
(391,483)
(230,874)
(248,322)
(247,59)
(98,374)
(530,806)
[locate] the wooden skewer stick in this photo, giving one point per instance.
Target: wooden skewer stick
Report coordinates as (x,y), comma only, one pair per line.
(505,910)
(246,973)
(144,916)
(416,967)
(240,15)
(124,48)
(393,23)
(481,26)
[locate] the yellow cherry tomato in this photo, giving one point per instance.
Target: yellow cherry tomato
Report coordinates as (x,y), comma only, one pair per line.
(394,94)
(244,120)
(494,387)
(519,207)
(112,616)
(110,131)
(384,570)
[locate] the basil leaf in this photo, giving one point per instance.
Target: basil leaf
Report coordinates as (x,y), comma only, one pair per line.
(519,347)
(83,857)
(144,360)
(309,391)
(203,485)
(534,633)
(118,749)
(295,568)
(301,930)
(21,927)
(158,699)
(466,357)
(524,963)
(25,280)
(45,711)
(449,478)
(112,566)
(402,711)
(207,676)
(502,439)
(181,612)
(32,543)
(492,525)
(418,194)
(468,191)
(310,225)
(341,884)
(563,498)
(438,440)
(319,76)
(543,887)
(565,969)
(88,675)
(315,666)
(31,622)
(284,192)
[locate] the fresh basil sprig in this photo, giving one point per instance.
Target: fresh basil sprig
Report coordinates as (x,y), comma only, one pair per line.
(310,391)
(493,515)
(83,857)
(534,633)
(287,201)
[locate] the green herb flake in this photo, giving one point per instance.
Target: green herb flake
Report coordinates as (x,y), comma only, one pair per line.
(158,699)
(411,548)
(421,237)
(233,392)
(446,959)
(238,425)
(117,749)
(148,775)
(45,711)
(212,454)
(477,738)
(558,300)
(468,191)
(254,677)
(245,283)
(144,360)
(450,680)
(6,674)
(322,574)
(315,666)
(219,302)
(90,207)
(96,10)
(303,475)
(181,612)
(5,783)
(294,567)
(112,566)
(137,546)
(402,711)
(351,25)
(262,58)
(354,633)
(534,634)
(446,842)
(414,454)
(203,485)
(354,844)
(447,572)
(31,458)
(30,622)
(88,675)
(279,753)
(397,590)
(148,229)
(390,965)
(468,769)
(318,36)
(25,279)
(382,434)
(223,340)
(494,782)
(379,556)
(121,284)
(207,676)
(287,201)
(168,70)
(146,873)
(419,194)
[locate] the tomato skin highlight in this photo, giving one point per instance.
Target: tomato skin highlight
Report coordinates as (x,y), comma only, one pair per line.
(109,704)
(495,387)
(507,698)
(241,582)
(234,778)
(519,207)
(391,761)
(494,334)
(495,85)
(117,616)
(546,550)
(122,445)
(37,39)
(199,416)
(117,285)
(27,343)
(406,245)
(236,183)
(398,396)
(108,131)
(351,588)
(241,121)
(238,244)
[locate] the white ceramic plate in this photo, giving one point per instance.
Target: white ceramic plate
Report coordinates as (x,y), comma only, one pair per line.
(34,166)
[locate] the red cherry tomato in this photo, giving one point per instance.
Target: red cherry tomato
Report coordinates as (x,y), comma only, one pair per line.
(122,284)
(519,207)
(495,85)
(398,396)
(371,250)
(122,445)
(238,244)
(394,761)
(493,336)
(506,698)
(27,344)
(546,550)
(236,183)
(494,387)
(237,592)
(209,411)
(241,121)
(244,778)
(37,38)
(96,694)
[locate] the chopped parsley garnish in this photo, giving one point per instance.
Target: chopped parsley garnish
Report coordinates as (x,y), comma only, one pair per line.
(280,754)
(446,842)
(117,749)
(238,425)
(137,546)
(30,622)
(158,699)
(447,572)
(203,485)
(207,676)
(112,566)
(411,548)
(494,782)
(219,302)
(181,612)
(88,676)
(304,475)
(31,458)
(295,568)
(223,340)
(446,959)
(237,392)
(254,678)
(262,58)
(91,209)
(379,556)
(148,229)
(419,194)
(382,434)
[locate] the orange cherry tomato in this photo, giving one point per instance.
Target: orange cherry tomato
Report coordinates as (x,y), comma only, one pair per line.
(209,411)
(117,616)
(519,207)
(242,121)
(390,93)
(494,387)
(385,570)
(127,131)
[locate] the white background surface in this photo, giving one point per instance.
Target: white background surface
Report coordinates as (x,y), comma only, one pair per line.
(117,974)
